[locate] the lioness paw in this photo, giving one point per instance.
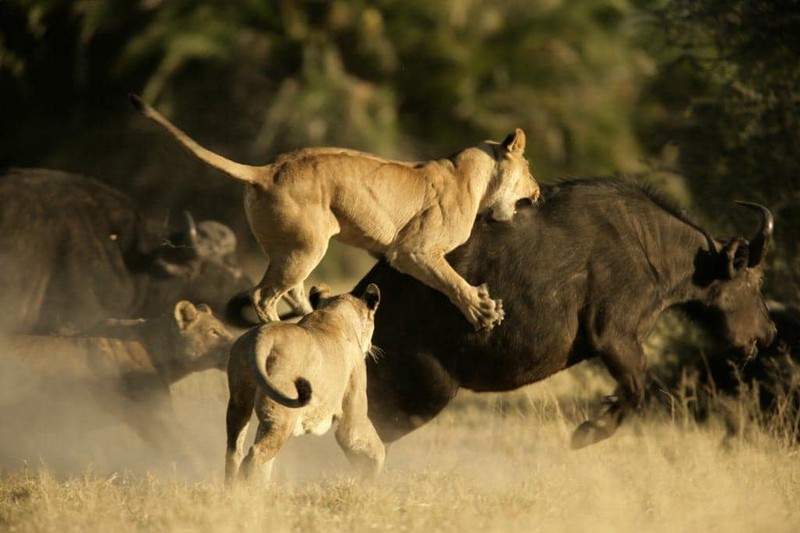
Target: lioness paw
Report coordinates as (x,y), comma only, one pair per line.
(484,312)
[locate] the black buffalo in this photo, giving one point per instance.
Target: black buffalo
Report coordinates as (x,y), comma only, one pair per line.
(74,252)
(768,384)
(584,274)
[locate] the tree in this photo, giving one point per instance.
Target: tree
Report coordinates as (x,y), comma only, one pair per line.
(727,95)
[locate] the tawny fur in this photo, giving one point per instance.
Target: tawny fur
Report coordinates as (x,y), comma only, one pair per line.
(321,360)
(412,214)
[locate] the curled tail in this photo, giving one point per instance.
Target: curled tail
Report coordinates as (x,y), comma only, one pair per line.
(238,171)
(258,361)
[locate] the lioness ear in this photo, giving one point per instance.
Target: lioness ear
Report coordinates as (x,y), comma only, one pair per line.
(185,314)
(515,142)
(317,294)
(372,296)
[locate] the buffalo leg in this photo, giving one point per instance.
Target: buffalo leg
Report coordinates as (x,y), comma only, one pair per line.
(399,406)
(627,366)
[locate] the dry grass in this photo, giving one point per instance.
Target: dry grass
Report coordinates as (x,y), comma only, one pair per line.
(489,463)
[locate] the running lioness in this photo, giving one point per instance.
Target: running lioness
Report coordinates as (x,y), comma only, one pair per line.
(412,214)
(322,359)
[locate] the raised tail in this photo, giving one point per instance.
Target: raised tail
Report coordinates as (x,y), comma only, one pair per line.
(258,360)
(238,171)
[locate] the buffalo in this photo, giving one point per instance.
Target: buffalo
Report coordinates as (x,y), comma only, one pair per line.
(584,274)
(765,389)
(74,252)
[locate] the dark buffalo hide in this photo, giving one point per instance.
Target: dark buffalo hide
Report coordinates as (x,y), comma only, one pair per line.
(765,389)
(583,274)
(74,252)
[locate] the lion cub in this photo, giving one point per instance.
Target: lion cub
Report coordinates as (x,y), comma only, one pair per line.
(322,358)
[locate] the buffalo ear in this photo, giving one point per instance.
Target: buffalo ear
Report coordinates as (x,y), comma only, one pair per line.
(735,255)
(515,142)
(317,294)
(372,296)
(185,313)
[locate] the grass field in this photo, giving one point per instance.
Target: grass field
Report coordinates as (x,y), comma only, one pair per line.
(489,463)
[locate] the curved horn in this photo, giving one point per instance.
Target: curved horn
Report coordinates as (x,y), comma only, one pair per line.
(760,242)
(191,230)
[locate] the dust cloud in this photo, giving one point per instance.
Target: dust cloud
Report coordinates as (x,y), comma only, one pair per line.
(64,426)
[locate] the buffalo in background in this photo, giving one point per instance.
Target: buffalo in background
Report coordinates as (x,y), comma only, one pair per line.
(74,252)
(586,273)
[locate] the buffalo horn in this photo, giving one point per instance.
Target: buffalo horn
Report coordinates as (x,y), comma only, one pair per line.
(760,242)
(191,230)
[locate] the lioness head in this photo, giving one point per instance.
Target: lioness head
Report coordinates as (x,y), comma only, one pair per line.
(513,180)
(201,341)
(364,306)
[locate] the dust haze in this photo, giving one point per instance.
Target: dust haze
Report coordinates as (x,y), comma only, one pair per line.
(60,426)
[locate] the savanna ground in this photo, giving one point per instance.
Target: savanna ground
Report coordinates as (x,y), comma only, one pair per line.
(490,462)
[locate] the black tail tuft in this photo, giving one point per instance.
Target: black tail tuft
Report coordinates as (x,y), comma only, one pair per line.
(303,390)
(137,103)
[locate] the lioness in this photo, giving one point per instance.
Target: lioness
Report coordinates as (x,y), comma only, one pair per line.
(410,213)
(126,366)
(322,357)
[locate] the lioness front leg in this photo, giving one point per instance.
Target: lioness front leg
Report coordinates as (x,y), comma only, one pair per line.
(434,270)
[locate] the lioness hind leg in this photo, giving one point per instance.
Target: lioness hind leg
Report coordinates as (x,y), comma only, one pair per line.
(237,421)
(288,269)
(363,447)
(270,438)
(297,299)
(434,270)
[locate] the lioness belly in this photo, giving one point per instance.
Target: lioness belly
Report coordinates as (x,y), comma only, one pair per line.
(315,419)
(317,427)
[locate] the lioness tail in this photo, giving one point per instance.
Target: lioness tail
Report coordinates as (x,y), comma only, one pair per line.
(233,169)
(258,362)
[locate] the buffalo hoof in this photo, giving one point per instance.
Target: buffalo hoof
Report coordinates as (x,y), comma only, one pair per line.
(590,432)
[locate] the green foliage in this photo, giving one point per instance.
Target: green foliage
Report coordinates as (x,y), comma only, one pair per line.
(410,79)
(706,90)
(726,95)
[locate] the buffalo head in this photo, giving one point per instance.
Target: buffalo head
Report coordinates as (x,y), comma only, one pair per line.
(731,276)
(199,263)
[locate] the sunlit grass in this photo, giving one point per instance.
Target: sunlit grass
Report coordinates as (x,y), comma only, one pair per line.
(489,463)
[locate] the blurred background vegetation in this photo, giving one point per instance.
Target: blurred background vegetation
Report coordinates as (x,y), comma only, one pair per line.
(698,97)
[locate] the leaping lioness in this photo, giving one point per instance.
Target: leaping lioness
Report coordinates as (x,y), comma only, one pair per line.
(410,213)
